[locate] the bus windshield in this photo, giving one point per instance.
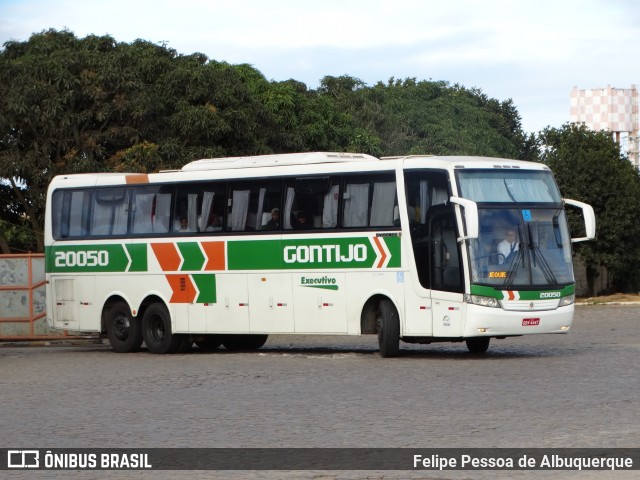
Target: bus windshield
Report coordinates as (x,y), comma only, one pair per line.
(522,247)
(508,186)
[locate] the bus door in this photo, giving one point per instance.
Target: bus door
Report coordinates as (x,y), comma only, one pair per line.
(446,277)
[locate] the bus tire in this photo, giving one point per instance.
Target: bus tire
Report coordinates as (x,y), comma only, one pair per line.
(156,330)
(388,329)
(244,342)
(478,344)
(209,342)
(123,331)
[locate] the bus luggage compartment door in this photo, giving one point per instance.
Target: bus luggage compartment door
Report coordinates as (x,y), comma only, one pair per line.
(71,299)
(271,303)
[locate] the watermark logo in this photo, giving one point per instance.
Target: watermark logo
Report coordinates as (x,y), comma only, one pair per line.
(23,459)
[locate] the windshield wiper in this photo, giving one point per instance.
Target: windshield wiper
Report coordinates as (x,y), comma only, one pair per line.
(508,189)
(515,263)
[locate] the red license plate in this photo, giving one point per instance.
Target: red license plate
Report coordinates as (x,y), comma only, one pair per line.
(528,322)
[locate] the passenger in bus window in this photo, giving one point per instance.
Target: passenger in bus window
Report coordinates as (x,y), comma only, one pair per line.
(215,225)
(507,246)
(184,225)
(301,221)
(274,222)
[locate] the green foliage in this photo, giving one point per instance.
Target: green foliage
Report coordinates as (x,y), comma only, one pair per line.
(70,105)
(411,117)
(15,228)
(589,167)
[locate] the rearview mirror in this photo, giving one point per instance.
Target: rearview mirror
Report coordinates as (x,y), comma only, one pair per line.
(470,217)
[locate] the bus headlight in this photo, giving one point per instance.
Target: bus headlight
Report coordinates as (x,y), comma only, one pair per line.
(482,301)
(568,300)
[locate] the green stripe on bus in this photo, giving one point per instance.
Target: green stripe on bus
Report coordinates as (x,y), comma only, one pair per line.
(138,254)
(497,292)
(92,258)
(206,285)
(192,254)
(311,253)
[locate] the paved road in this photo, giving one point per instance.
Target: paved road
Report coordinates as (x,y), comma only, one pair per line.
(576,390)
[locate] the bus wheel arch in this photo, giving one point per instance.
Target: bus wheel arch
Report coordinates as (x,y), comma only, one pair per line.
(380,316)
(123,330)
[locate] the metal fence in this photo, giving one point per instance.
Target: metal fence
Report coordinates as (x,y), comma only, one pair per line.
(23,300)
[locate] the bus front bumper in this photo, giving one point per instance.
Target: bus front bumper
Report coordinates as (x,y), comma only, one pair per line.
(496,322)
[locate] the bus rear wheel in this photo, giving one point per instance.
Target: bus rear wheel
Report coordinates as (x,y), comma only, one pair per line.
(388,329)
(156,330)
(244,342)
(478,344)
(123,331)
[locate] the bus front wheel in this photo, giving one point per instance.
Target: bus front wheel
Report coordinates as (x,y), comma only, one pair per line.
(156,330)
(388,329)
(123,331)
(478,344)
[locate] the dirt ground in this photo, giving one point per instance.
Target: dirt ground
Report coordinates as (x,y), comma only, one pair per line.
(615,298)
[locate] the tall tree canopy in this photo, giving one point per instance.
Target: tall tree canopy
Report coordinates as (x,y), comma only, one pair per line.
(589,167)
(71,104)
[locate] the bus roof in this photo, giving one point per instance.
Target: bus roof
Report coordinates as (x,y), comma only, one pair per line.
(276,160)
(294,164)
(461,162)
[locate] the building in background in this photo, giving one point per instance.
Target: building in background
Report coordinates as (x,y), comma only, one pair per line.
(612,109)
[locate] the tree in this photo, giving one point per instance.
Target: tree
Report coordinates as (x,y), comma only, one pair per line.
(61,111)
(426,117)
(589,167)
(72,105)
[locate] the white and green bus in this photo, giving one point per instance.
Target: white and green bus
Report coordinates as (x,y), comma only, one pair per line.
(227,251)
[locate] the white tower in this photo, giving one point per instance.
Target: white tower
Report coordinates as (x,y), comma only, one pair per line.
(612,109)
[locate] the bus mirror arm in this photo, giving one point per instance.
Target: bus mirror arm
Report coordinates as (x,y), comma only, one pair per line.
(589,219)
(470,217)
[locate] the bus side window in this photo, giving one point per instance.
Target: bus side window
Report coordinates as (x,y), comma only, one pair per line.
(383,204)
(250,201)
(185,214)
(60,214)
(212,207)
(151,210)
(355,212)
(369,201)
(109,212)
(71,213)
(311,203)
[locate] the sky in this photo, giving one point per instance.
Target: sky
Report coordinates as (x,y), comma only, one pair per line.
(530,51)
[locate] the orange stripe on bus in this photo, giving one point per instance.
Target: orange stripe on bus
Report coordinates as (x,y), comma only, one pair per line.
(137,178)
(182,287)
(381,251)
(215,252)
(167,255)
